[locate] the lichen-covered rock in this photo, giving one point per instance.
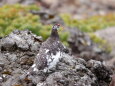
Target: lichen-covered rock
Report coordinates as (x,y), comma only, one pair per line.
(113,81)
(15,63)
(84,47)
(69,71)
(23,40)
(102,73)
(17,52)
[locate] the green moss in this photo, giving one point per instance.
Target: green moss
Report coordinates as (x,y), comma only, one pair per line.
(103,43)
(16,17)
(96,39)
(19,17)
(91,25)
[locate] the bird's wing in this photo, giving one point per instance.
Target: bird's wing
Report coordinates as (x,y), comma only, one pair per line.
(50,45)
(47,49)
(41,60)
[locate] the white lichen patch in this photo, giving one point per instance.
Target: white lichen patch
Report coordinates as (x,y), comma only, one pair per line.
(45,69)
(95,63)
(80,66)
(58,41)
(34,65)
(0,78)
(38,54)
(28,72)
(85,79)
(40,84)
(4,75)
(35,69)
(47,51)
(17,37)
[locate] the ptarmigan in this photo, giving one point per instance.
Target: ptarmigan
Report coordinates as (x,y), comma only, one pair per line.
(50,52)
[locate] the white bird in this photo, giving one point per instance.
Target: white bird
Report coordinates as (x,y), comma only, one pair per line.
(50,52)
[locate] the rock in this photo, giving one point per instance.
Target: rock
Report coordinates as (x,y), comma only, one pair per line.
(69,71)
(72,71)
(111,63)
(82,46)
(48,16)
(22,40)
(108,35)
(17,52)
(113,81)
(100,71)
(1,64)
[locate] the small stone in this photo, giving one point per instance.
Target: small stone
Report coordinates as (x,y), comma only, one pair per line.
(2,64)
(1,79)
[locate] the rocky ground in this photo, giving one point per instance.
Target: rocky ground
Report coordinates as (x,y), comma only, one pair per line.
(82,46)
(108,35)
(18,51)
(77,8)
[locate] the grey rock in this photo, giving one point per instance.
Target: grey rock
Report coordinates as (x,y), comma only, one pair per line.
(1,79)
(17,52)
(69,71)
(84,47)
(22,40)
(108,35)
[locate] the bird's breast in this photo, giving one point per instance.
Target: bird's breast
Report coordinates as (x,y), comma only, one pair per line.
(52,60)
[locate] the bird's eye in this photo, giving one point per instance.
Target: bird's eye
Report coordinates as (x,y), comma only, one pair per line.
(56,26)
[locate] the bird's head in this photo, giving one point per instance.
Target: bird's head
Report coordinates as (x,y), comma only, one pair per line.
(56,27)
(54,32)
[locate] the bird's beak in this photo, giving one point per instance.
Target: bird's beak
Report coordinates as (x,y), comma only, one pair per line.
(62,28)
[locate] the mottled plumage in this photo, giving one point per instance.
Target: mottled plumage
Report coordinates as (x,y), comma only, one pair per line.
(50,52)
